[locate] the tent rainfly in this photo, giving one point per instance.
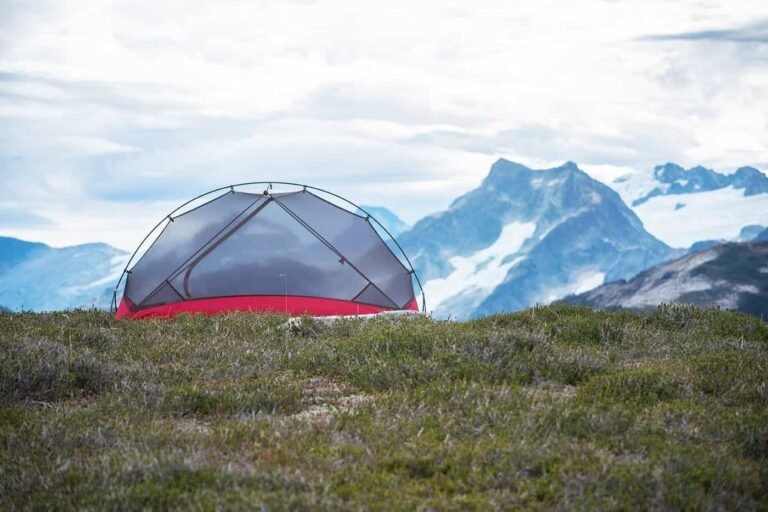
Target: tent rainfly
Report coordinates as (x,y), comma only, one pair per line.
(294,252)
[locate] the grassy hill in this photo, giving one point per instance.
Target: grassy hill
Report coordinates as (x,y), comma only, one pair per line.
(551,408)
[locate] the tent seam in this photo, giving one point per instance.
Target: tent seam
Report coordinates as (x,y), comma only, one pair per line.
(326,242)
(183,265)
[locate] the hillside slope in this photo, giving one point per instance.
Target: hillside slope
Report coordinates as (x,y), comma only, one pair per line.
(732,276)
(553,408)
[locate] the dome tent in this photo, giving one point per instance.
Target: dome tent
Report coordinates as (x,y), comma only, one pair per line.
(296,251)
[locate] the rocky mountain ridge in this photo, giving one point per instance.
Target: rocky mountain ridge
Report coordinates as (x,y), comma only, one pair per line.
(524,237)
(729,276)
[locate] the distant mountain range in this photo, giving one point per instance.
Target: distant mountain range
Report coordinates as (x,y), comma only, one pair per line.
(525,237)
(522,237)
(682,207)
(731,276)
(671,179)
(37,277)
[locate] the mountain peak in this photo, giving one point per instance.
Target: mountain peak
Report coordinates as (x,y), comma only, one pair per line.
(571,170)
(526,236)
(505,171)
(504,165)
(751,180)
(748,172)
(505,168)
(668,172)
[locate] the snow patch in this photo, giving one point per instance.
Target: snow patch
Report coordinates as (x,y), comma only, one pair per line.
(714,215)
(589,281)
(580,211)
(582,282)
(763,270)
(667,291)
(116,263)
(635,185)
(484,270)
(693,261)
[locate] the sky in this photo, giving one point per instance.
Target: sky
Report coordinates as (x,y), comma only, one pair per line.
(114,112)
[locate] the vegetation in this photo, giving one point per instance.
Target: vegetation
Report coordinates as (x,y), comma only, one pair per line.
(556,407)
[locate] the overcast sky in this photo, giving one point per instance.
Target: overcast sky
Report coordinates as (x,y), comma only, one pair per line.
(113,112)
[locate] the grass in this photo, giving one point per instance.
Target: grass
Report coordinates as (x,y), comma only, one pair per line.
(554,407)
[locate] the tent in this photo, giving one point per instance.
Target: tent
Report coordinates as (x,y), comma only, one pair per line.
(298,251)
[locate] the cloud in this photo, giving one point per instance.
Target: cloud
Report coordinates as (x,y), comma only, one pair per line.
(113,112)
(756,32)
(14,218)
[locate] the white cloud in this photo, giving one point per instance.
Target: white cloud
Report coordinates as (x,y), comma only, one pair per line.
(105,104)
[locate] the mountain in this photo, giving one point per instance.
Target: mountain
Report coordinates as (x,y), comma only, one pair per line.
(37,277)
(525,237)
(14,251)
(747,234)
(762,236)
(682,207)
(732,276)
(671,179)
(394,224)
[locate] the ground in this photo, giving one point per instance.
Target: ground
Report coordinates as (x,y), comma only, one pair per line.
(555,407)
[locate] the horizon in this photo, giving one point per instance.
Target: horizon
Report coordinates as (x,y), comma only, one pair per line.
(594,174)
(113,114)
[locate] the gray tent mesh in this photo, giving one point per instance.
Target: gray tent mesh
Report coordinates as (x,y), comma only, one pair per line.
(245,244)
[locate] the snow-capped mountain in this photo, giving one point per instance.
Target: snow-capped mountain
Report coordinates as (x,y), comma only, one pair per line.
(682,207)
(525,237)
(732,276)
(522,237)
(37,277)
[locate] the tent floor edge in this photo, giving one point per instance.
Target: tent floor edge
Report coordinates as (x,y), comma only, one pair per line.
(281,304)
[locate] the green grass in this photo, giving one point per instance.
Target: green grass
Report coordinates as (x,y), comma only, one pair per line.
(555,407)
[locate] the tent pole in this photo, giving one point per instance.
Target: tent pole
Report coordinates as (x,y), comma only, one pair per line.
(231,189)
